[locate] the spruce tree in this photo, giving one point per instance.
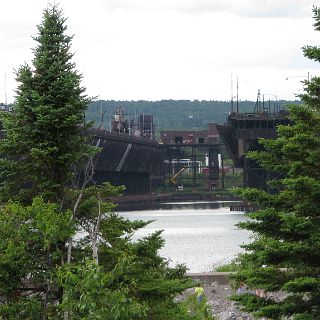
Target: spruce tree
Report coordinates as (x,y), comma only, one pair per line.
(44,145)
(45,139)
(285,254)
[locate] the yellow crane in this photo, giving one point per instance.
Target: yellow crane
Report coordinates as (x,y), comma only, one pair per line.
(173,178)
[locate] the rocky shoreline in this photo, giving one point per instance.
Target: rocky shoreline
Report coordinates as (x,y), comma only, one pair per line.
(218,299)
(225,309)
(221,306)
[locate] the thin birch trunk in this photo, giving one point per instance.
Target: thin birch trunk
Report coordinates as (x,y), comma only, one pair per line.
(95,253)
(88,177)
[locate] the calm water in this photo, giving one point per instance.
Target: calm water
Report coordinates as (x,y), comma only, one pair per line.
(199,234)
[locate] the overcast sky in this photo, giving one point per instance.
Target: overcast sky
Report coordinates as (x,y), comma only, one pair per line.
(172,49)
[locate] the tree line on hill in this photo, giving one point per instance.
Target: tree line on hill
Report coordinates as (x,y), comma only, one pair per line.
(176,114)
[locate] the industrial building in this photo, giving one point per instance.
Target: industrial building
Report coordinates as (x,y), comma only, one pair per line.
(211,135)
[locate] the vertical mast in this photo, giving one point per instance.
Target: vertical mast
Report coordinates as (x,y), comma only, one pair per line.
(231,94)
(5,90)
(237,95)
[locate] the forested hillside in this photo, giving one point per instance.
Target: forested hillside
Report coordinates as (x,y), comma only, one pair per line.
(175,114)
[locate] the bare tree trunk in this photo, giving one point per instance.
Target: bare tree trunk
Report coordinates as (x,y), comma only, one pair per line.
(66,315)
(95,253)
(88,174)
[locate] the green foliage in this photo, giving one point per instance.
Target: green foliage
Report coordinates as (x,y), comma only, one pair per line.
(91,293)
(132,277)
(155,283)
(88,207)
(24,308)
(197,310)
(44,135)
(131,281)
(29,256)
(285,255)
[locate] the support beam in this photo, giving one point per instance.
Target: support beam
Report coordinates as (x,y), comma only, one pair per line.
(124,157)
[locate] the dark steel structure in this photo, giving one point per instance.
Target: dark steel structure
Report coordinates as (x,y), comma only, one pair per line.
(146,126)
(127,160)
(130,156)
(187,150)
(176,154)
(241,134)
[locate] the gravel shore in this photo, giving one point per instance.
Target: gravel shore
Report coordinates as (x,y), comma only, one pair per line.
(222,308)
(225,309)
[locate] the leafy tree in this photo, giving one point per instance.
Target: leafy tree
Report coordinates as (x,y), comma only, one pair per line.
(131,270)
(198,310)
(285,255)
(29,255)
(45,137)
(132,280)
(90,293)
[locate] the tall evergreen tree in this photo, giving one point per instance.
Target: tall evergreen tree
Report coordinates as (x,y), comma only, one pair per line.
(44,145)
(44,135)
(285,253)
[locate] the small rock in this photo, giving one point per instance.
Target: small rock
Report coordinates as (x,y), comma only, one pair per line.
(228,316)
(214,286)
(232,316)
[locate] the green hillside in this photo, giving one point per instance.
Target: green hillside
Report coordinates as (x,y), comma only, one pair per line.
(174,114)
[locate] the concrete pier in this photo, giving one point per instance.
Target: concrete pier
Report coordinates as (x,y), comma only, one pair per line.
(207,278)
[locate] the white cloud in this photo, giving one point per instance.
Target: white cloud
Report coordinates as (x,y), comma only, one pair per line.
(246,8)
(179,49)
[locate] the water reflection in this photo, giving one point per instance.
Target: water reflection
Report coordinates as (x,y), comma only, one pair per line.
(200,234)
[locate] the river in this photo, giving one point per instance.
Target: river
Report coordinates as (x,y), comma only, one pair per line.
(200,234)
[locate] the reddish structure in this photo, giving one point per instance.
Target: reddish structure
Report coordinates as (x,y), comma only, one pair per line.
(191,137)
(213,134)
